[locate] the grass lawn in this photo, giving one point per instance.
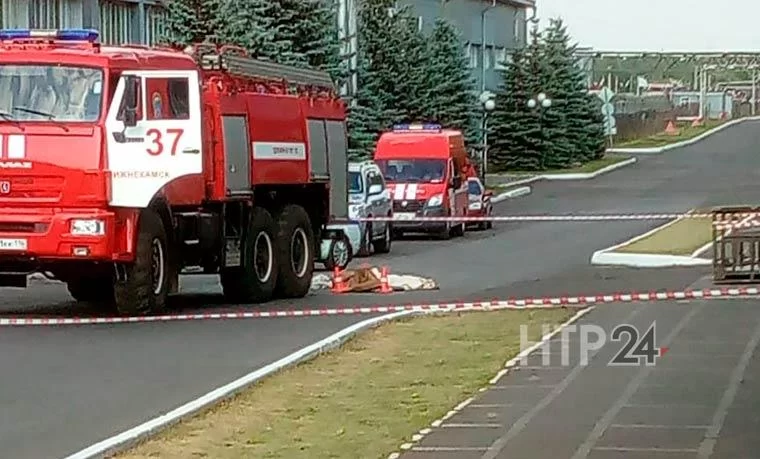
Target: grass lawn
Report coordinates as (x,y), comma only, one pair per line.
(662,139)
(680,238)
(591,166)
(362,400)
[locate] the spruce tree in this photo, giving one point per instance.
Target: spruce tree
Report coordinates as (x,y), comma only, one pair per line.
(315,36)
(566,134)
(251,24)
(516,141)
(581,118)
(556,139)
(373,108)
(409,75)
(450,97)
(192,21)
(293,32)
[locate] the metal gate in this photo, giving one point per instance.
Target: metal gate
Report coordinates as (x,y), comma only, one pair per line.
(736,251)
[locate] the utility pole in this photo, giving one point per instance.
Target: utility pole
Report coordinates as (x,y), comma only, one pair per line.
(483,37)
(702,91)
(754,90)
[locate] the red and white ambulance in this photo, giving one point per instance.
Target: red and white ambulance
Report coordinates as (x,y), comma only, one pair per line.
(424,168)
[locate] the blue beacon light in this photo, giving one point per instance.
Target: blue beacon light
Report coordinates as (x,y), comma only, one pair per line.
(90,35)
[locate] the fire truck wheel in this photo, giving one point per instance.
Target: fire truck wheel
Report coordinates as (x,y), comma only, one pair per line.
(92,289)
(146,285)
(384,245)
(255,280)
(295,252)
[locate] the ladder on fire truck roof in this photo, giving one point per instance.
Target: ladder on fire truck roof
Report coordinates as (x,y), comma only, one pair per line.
(236,61)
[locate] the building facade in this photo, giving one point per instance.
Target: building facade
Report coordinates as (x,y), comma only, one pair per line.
(489,30)
(119,21)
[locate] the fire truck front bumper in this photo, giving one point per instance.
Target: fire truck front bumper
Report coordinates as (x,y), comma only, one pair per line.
(32,238)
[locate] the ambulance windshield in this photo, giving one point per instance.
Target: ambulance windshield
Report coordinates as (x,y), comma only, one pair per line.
(413,170)
(50,93)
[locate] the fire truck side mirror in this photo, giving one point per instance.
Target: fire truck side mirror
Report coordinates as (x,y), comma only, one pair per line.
(131,94)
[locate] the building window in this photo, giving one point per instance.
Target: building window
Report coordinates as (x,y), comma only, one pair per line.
(518,29)
(500,56)
(116,22)
(155,30)
(488,57)
(41,14)
(474,55)
(15,14)
(44,14)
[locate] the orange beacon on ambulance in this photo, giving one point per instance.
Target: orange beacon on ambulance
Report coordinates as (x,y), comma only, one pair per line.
(424,168)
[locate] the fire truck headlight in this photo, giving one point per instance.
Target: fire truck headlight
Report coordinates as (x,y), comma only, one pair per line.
(435,201)
(88,227)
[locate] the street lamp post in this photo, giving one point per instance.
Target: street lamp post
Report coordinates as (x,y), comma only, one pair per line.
(540,103)
(489,105)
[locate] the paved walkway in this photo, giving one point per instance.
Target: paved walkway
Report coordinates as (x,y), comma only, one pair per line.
(699,400)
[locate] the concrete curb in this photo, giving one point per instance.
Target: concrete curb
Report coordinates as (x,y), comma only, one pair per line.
(129,438)
(684,143)
(590,175)
(645,260)
(510,194)
(575,176)
(608,256)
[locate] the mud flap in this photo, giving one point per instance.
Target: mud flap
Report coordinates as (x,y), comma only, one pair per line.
(18,280)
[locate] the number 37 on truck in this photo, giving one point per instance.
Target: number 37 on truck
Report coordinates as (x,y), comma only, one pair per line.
(121,166)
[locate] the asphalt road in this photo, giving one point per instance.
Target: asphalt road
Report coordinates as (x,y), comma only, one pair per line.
(64,388)
(698,400)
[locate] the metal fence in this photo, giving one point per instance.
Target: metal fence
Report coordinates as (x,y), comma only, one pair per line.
(641,116)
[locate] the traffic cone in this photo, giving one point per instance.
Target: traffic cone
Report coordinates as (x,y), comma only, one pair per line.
(671,128)
(338,285)
(385,286)
(697,122)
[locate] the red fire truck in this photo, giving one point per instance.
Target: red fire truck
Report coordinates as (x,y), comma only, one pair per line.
(120,166)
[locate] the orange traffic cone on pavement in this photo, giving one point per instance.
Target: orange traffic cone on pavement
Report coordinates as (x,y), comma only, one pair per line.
(338,284)
(697,122)
(671,129)
(385,286)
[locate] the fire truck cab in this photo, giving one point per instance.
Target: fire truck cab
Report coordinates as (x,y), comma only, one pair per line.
(120,166)
(424,166)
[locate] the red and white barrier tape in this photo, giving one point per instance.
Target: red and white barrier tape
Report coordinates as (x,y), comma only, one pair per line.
(560,218)
(738,225)
(494,305)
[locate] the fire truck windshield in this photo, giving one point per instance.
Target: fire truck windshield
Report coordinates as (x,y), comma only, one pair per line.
(413,170)
(50,93)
